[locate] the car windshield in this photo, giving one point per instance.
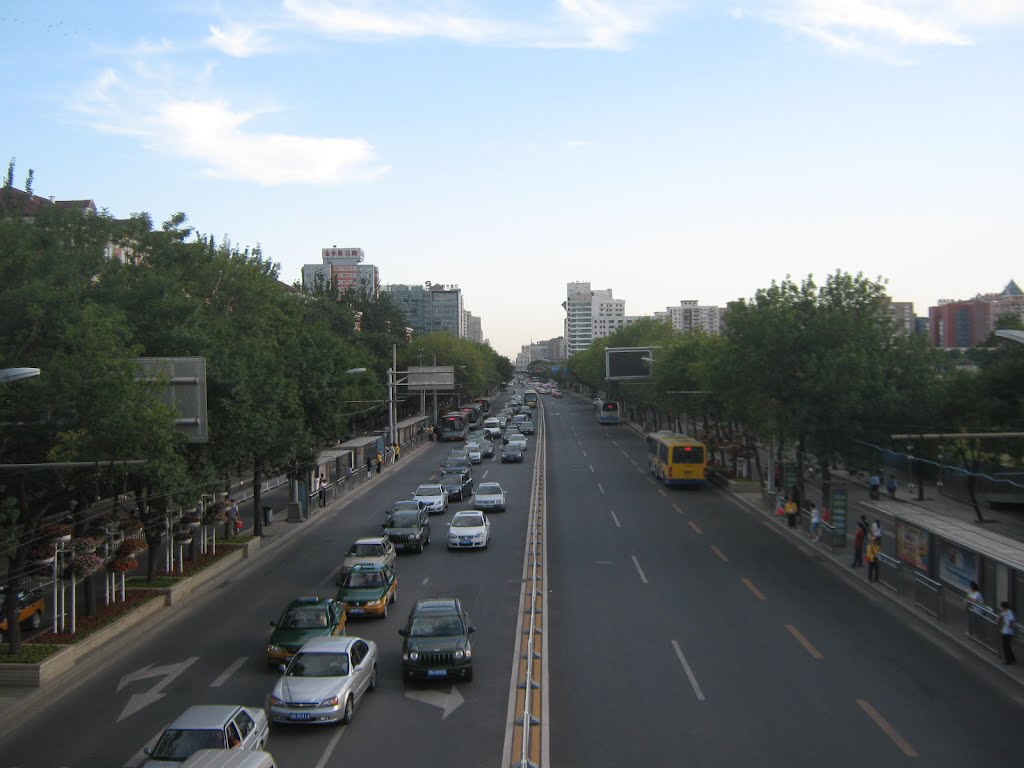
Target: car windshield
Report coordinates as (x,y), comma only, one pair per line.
(363,579)
(401,506)
(428,490)
(436,626)
(528,424)
(511,448)
(318,665)
(179,744)
(488,489)
(467,521)
(404,520)
(303,618)
(366,550)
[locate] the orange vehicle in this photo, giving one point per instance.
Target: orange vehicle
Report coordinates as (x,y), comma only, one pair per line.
(31,607)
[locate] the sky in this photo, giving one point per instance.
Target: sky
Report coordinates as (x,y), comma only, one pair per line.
(667,150)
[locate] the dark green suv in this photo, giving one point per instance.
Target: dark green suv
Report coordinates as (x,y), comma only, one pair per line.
(437,645)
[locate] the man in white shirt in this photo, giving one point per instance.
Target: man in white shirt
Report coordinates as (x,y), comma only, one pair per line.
(1007,626)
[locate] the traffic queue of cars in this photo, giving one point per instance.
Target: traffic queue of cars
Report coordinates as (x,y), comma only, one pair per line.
(324,672)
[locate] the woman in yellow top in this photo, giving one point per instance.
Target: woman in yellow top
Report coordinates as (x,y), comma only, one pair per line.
(872,555)
(791,512)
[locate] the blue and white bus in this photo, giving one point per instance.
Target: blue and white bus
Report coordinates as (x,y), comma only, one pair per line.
(607,412)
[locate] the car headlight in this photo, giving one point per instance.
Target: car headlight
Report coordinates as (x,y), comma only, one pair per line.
(275,649)
(276,702)
(460,654)
(410,656)
(378,601)
(479,537)
(331,702)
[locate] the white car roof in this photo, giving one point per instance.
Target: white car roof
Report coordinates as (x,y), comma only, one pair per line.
(205,716)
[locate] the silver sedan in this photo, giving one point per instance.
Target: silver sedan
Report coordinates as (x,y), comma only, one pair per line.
(325,681)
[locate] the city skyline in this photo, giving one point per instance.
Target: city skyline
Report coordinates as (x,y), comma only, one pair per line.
(666,150)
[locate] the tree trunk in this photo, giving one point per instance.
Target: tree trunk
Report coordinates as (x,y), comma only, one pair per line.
(257,496)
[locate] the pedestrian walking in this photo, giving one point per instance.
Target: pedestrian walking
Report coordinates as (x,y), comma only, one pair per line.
(791,512)
(322,490)
(369,467)
(873,555)
(380,461)
(974,601)
(858,543)
(1007,628)
(398,451)
(890,486)
(815,533)
(232,519)
(874,485)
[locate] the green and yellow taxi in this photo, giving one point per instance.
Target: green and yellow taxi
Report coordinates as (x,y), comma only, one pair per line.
(368,589)
(304,618)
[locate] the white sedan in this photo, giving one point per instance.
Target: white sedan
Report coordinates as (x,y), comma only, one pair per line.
(489,496)
(469,529)
(433,497)
(517,438)
(475,451)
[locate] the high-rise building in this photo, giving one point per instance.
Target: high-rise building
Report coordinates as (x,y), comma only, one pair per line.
(591,314)
(969,323)
(474,328)
(430,307)
(689,316)
(343,268)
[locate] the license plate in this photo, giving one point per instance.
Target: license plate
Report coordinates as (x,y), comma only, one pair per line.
(437,673)
(356,611)
(300,716)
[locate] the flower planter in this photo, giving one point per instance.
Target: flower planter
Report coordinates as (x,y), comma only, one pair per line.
(44,560)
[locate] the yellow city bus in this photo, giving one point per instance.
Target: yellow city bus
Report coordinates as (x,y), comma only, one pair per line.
(677,460)
(530,399)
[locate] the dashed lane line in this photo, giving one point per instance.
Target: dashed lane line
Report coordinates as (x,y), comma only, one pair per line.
(903,745)
(639,570)
(696,528)
(615,518)
(227,673)
(677,508)
(689,672)
(757,592)
(808,646)
(600,488)
(720,553)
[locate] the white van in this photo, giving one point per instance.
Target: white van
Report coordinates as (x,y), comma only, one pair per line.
(230,758)
(492,427)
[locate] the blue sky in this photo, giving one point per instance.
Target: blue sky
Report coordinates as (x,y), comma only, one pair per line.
(667,150)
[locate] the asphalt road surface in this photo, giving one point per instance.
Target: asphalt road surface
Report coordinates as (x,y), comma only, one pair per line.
(682,630)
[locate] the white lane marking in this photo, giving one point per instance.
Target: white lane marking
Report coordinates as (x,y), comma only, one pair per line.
(689,672)
(330,747)
(639,570)
(485,473)
(615,443)
(584,454)
(591,467)
(616,519)
(903,745)
(425,581)
(600,488)
(235,666)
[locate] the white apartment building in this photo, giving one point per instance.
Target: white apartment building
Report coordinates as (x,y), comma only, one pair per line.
(689,316)
(591,314)
(474,328)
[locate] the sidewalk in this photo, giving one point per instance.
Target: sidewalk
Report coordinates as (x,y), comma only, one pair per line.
(939,607)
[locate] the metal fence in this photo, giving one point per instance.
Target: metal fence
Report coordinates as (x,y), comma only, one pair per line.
(929,596)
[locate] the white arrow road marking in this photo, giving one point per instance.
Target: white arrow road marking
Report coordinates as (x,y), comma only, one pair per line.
(227,673)
(140,701)
(449,702)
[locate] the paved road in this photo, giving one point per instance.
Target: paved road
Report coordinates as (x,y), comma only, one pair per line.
(682,624)
(213,652)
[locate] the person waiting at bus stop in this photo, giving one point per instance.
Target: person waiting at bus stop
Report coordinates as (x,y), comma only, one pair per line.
(792,510)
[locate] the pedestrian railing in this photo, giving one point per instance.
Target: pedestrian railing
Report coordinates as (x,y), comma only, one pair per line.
(889,572)
(983,627)
(929,596)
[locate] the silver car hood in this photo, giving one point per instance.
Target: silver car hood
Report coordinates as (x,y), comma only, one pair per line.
(310,689)
(476,530)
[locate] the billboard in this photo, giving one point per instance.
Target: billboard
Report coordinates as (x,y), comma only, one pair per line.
(431,377)
(628,363)
(186,391)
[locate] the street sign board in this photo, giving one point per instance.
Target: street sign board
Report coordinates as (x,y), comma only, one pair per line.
(431,377)
(628,363)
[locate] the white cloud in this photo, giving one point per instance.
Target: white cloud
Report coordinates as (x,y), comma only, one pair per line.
(571,24)
(882,27)
(224,141)
(239,40)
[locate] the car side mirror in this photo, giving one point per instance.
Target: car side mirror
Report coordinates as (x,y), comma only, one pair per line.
(147,751)
(472,628)
(403,632)
(273,623)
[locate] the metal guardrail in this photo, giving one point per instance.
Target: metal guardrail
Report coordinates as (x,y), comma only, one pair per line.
(983,628)
(929,596)
(889,572)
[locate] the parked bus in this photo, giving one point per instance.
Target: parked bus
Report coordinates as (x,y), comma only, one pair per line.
(677,459)
(473,411)
(453,426)
(530,399)
(608,412)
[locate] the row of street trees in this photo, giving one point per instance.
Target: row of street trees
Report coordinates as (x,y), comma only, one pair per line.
(276,357)
(823,371)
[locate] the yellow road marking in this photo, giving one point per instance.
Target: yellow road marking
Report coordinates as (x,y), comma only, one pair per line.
(662,492)
(888,730)
(757,592)
(815,653)
(720,553)
(696,528)
(677,508)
